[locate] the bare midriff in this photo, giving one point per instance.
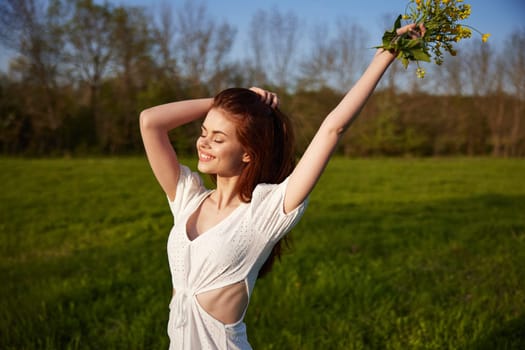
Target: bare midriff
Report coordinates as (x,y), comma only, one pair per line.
(226,304)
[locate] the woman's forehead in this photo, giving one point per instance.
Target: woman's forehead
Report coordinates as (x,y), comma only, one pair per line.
(216,120)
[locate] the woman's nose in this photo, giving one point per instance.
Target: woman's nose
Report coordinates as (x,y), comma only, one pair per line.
(204,142)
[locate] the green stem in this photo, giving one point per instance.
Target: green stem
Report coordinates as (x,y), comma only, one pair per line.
(471,27)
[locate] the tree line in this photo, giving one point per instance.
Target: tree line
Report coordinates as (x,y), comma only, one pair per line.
(81,72)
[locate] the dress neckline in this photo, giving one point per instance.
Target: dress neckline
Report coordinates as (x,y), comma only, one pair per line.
(205,233)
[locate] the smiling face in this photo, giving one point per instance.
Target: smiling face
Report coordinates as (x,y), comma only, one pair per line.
(218,147)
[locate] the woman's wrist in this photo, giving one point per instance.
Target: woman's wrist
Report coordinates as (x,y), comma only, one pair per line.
(389,54)
(385,56)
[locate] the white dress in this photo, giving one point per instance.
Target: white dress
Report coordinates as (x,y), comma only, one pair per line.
(230,252)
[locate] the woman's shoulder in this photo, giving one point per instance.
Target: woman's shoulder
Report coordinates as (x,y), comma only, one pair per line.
(189,177)
(266,191)
(189,186)
(268,187)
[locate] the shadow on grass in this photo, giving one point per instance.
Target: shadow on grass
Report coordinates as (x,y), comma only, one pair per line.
(509,335)
(99,298)
(446,262)
(488,210)
(106,296)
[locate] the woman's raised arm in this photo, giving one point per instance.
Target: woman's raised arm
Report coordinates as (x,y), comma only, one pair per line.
(314,160)
(155,123)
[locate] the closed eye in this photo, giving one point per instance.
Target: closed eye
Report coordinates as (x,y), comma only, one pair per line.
(203,132)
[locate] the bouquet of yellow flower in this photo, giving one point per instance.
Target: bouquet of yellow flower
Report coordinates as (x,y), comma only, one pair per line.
(441,20)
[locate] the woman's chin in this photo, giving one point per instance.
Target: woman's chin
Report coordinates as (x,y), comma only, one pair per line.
(203,168)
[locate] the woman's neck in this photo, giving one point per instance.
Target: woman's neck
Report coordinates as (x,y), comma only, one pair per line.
(226,195)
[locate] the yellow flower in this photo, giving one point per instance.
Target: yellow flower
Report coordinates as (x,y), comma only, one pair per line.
(464,13)
(442,19)
(420,73)
(461,33)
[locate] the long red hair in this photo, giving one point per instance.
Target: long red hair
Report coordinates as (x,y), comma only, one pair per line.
(267,136)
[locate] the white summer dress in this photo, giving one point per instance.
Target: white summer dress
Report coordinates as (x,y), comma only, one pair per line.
(230,252)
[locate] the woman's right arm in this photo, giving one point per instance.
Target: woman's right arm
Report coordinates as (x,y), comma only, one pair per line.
(155,123)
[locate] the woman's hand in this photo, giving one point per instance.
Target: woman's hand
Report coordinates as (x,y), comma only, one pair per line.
(413,30)
(270,98)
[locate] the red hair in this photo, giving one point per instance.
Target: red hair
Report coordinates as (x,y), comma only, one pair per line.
(266,135)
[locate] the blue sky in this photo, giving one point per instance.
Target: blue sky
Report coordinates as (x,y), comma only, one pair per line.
(496,17)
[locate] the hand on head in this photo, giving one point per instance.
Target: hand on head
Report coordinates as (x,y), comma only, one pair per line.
(270,98)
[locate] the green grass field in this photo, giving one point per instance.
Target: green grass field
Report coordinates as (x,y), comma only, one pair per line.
(391,254)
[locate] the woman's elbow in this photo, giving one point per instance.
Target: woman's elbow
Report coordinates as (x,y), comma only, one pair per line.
(332,128)
(145,121)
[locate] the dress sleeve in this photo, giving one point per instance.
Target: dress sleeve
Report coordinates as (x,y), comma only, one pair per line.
(189,186)
(268,211)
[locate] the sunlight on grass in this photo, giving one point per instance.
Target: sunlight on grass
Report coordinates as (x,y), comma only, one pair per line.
(391,254)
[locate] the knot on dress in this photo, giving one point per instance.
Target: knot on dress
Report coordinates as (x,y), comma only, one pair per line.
(179,306)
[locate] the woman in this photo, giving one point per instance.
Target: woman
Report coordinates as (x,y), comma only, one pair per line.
(222,238)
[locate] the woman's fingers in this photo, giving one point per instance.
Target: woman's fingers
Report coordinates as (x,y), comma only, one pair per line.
(267,97)
(257,90)
(405,29)
(272,99)
(422,29)
(413,30)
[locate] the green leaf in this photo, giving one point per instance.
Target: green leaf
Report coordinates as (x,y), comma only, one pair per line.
(397,23)
(390,37)
(420,55)
(405,62)
(412,43)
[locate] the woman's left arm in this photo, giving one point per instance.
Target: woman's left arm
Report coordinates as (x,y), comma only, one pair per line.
(314,160)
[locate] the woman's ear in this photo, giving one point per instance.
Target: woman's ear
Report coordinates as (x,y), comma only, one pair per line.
(246,158)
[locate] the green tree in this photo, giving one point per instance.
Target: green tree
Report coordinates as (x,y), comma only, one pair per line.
(34,30)
(133,66)
(202,46)
(90,37)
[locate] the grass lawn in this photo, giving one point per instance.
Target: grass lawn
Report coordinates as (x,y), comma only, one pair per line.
(391,254)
